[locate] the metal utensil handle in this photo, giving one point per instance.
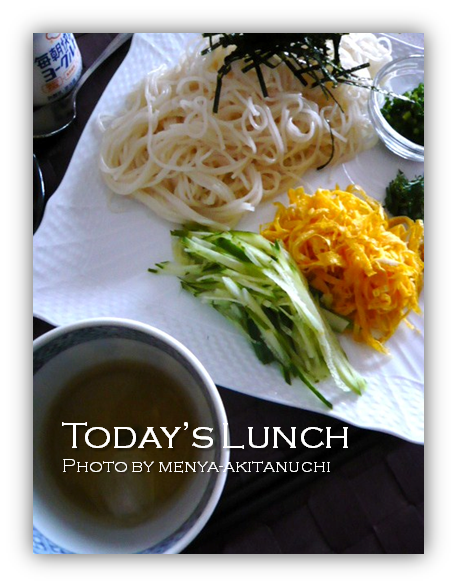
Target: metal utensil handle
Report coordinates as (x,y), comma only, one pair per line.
(119,40)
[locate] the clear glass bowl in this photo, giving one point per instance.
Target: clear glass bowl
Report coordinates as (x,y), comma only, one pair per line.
(398,76)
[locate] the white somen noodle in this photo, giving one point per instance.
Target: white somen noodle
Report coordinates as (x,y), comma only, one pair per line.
(169,150)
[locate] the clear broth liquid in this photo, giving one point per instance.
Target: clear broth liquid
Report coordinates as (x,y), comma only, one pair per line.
(130,394)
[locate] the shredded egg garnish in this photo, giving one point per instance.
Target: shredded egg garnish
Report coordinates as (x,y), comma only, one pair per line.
(368,267)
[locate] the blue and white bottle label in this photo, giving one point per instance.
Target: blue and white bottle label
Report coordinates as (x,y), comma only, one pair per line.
(57,66)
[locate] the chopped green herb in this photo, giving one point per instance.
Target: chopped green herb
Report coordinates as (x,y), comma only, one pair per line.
(407,116)
(406,197)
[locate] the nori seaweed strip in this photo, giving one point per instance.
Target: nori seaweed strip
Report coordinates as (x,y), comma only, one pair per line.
(332,138)
(303,53)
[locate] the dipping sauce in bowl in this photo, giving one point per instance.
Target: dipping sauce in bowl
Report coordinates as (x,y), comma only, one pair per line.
(122,416)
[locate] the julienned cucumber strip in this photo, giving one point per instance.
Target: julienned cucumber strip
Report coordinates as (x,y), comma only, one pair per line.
(337,323)
(257,286)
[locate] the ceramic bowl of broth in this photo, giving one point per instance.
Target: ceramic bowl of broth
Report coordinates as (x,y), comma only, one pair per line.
(124,419)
